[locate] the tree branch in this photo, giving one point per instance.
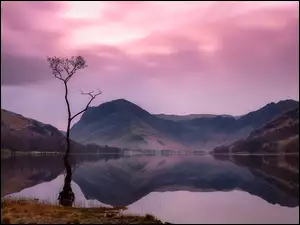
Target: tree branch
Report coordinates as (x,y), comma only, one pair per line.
(58,65)
(56,73)
(93,96)
(70,74)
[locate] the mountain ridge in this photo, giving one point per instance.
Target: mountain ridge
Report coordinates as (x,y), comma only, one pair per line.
(121,123)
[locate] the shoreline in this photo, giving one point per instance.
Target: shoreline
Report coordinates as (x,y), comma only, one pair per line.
(7,153)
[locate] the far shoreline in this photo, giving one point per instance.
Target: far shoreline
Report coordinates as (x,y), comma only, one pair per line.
(10,153)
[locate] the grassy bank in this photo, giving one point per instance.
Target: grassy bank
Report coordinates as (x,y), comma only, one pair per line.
(36,212)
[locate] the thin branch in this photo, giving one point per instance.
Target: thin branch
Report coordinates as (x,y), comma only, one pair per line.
(87,93)
(70,74)
(78,63)
(58,77)
(66,69)
(93,96)
(69,66)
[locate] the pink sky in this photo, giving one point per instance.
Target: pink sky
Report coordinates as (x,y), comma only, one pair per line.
(167,57)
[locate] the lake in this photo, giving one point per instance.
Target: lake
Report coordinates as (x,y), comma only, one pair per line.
(176,189)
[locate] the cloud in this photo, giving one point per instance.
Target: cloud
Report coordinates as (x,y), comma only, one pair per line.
(182,50)
(17,69)
(229,40)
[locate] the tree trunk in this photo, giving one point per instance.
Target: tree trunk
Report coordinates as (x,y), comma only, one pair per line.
(66,196)
(70,66)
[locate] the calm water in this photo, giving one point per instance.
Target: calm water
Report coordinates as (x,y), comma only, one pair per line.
(177,189)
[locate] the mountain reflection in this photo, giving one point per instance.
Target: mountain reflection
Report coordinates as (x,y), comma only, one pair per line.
(116,180)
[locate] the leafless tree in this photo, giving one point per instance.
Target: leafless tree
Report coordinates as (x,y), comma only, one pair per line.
(64,69)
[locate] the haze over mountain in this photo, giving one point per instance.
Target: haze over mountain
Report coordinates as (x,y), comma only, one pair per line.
(121,123)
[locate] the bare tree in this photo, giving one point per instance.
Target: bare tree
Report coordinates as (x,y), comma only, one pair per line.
(64,69)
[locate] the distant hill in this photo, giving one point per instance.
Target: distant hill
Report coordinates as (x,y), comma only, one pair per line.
(19,133)
(279,135)
(121,123)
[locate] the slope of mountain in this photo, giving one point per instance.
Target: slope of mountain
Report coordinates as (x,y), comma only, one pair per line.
(268,112)
(19,133)
(121,123)
(279,135)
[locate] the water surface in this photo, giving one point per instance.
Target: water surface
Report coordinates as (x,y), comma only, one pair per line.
(177,189)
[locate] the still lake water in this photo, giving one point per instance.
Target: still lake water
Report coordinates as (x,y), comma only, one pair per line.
(177,189)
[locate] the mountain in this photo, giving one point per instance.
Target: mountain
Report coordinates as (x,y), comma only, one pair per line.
(123,124)
(279,135)
(268,112)
(120,123)
(19,133)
